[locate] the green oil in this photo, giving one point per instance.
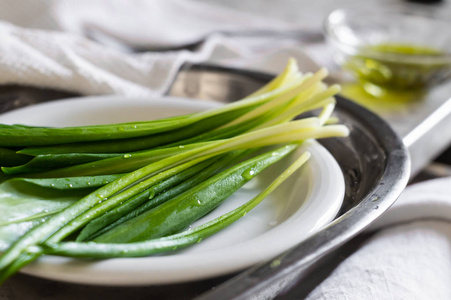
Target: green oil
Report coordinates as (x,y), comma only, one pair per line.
(398,66)
(384,101)
(395,72)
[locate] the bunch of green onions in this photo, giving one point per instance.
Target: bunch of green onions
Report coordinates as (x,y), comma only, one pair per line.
(141,184)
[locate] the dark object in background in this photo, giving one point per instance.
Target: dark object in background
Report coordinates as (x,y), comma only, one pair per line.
(445,157)
(425,1)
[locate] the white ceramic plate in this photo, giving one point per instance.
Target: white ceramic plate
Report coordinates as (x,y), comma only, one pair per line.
(300,207)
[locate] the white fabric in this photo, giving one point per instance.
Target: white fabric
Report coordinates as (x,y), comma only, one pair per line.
(157,23)
(409,258)
(69,61)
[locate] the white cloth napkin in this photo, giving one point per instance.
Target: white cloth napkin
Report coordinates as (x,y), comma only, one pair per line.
(62,58)
(63,61)
(408,258)
(157,23)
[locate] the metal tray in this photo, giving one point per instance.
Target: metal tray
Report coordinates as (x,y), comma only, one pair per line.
(373,159)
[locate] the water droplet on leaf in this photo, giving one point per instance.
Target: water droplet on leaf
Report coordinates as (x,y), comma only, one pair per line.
(248,174)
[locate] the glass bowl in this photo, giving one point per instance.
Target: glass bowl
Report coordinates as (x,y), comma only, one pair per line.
(391,49)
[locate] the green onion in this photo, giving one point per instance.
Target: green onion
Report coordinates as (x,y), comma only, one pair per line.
(171,242)
(139,184)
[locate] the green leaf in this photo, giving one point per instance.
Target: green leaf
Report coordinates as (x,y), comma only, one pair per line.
(24,205)
(70,183)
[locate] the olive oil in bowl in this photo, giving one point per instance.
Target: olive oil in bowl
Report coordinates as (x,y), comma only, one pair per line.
(399,67)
